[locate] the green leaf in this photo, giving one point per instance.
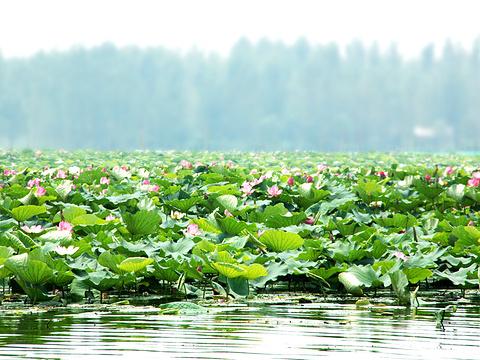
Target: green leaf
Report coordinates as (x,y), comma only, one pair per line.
(63,189)
(62,273)
(278,240)
(238,286)
(430,192)
(456,191)
(71,212)
(378,249)
(366,275)
(184,204)
(228,270)
(275,270)
(146,204)
(279,221)
(400,286)
(326,273)
(23,213)
(309,195)
(110,260)
(182,308)
(207,226)
(459,277)
(414,275)
(254,271)
(34,272)
(102,280)
(11,240)
(232,226)
(143,222)
(228,202)
(351,283)
(5,252)
(88,219)
(134,264)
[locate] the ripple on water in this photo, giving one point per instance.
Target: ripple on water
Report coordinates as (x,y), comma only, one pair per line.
(305,331)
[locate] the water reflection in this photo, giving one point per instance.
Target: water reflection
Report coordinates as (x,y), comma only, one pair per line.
(280,331)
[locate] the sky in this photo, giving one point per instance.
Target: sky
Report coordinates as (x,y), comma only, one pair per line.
(29,26)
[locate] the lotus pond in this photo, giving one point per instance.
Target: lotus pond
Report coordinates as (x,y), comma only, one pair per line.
(105,228)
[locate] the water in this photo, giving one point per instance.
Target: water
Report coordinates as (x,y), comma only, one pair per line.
(255,331)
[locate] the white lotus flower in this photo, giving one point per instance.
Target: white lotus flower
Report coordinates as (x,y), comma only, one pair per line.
(60,250)
(35,229)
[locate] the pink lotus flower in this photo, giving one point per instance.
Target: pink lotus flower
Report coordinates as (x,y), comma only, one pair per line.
(40,191)
(193,229)
(146,182)
(124,167)
(291,181)
(247,188)
(154,188)
(186,164)
(253,172)
(33,182)
(449,170)
(309,221)
(274,191)
(309,179)
(61,174)
(110,217)
(382,174)
(104,169)
(229,164)
(8,172)
(400,255)
(258,181)
(473,182)
(104,180)
(471,223)
(65,226)
(227,213)
(35,229)
(322,167)
(476,175)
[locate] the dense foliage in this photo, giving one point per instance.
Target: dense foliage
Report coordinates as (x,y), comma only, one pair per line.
(75,222)
(265,96)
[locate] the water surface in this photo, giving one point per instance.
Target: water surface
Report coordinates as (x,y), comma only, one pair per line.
(256,331)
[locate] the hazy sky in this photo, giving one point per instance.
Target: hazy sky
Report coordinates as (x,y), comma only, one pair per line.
(27,26)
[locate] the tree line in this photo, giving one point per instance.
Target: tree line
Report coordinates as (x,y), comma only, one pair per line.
(262,96)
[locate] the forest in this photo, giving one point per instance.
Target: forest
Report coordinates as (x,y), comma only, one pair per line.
(262,96)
